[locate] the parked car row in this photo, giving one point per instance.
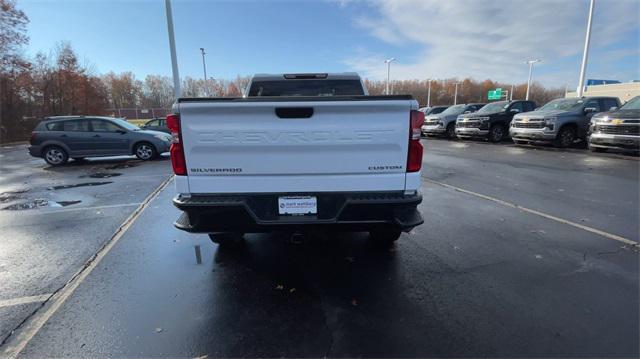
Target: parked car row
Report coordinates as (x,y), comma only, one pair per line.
(598,121)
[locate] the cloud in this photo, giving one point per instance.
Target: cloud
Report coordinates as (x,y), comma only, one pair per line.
(490,38)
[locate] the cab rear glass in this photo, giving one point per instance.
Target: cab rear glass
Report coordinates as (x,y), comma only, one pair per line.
(306,88)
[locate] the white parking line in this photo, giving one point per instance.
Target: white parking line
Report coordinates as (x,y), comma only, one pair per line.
(32,327)
(25,300)
(615,237)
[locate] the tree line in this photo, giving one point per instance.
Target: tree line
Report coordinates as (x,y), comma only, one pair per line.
(469,90)
(59,83)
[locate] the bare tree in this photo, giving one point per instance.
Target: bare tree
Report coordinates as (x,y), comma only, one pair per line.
(157,91)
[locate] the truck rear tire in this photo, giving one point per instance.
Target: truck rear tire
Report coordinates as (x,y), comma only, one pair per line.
(496,133)
(451,131)
(384,235)
(566,137)
(227,238)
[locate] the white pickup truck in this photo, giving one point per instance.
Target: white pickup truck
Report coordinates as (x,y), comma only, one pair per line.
(297,152)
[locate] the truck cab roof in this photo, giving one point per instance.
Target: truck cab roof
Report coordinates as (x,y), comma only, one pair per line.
(307,76)
(306,84)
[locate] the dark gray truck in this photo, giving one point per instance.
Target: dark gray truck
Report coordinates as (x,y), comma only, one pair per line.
(561,121)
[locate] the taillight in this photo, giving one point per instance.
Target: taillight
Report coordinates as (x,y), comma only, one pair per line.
(177,151)
(173,122)
(32,140)
(414,157)
(417,120)
(177,159)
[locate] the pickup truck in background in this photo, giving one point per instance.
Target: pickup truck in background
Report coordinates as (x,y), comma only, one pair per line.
(444,123)
(299,151)
(491,121)
(561,121)
(617,129)
(433,110)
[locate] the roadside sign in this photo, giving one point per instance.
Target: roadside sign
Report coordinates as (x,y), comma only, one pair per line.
(495,94)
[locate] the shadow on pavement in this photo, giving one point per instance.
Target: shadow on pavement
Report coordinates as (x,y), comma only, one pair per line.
(331,294)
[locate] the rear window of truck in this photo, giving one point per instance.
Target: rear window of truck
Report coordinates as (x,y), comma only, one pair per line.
(306,88)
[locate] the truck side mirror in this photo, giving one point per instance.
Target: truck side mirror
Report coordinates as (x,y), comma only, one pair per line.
(514,110)
(613,108)
(590,109)
(467,111)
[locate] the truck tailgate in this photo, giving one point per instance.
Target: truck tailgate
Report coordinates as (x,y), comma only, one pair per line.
(287,145)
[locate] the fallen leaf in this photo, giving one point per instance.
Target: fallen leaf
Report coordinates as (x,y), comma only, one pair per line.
(158,330)
(538,256)
(279,287)
(292,290)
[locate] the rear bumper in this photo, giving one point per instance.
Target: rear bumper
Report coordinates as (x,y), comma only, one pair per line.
(614,141)
(259,212)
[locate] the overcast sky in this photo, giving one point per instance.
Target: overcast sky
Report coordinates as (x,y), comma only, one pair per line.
(430,39)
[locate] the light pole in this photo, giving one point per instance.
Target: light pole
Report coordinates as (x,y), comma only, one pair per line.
(455,97)
(585,54)
(172,49)
(429,94)
(511,93)
(388,62)
(204,69)
(530,62)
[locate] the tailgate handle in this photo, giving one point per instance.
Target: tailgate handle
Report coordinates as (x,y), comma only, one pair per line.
(294,112)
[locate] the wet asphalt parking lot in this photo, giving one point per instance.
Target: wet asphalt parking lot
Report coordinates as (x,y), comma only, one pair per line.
(524,252)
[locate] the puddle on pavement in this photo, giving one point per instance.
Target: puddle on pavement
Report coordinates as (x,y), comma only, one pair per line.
(101,175)
(122,165)
(85,184)
(39,203)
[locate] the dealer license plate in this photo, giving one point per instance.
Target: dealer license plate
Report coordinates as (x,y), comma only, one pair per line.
(298,205)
